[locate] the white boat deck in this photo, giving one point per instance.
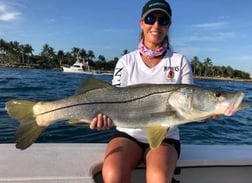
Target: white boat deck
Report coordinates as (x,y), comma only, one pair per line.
(78,163)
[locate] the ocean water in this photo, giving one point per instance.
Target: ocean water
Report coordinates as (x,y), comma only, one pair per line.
(52,85)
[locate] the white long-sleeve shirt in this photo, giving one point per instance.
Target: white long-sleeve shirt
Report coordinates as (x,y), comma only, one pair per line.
(130,69)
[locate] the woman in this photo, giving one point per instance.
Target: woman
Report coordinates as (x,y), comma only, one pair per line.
(152,62)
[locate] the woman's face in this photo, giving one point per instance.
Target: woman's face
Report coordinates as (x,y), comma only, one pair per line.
(155,27)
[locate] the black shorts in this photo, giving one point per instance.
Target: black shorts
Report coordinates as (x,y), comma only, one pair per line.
(145,146)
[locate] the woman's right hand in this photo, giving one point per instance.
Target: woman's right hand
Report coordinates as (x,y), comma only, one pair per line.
(101,122)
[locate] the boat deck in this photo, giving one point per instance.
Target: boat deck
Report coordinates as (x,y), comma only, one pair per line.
(80,163)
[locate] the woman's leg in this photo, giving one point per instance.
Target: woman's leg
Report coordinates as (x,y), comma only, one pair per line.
(161,163)
(121,157)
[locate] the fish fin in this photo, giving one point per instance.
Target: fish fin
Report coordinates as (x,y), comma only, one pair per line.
(28,130)
(92,84)
(27,133)
(155,135)
(78,122)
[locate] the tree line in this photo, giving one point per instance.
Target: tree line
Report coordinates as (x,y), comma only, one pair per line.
(207,69)
(21,55)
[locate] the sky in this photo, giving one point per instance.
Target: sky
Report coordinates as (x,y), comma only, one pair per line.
(218,29)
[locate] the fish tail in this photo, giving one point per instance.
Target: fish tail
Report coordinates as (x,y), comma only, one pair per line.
(28,130)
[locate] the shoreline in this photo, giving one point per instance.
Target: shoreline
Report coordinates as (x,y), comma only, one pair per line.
(221,79)
(195,77)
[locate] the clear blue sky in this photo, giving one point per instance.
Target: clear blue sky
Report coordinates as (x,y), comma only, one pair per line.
(218,29)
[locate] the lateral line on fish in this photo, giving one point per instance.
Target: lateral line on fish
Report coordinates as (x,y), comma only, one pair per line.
(105,102)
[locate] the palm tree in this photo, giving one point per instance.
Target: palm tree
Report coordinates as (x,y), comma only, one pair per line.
(60,56)
(25,50)
(47,51)
(75,52)
(48,56)
(222,70)
(125,52)
(83,54)
(207,65)
(14,51)
(217,71)
(21,47)
(90,55)
(230,71)
(195,64)
(69,59)
(28,52)
(101,58)
(3,49)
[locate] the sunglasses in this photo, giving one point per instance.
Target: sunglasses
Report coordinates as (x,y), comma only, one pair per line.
(151,19)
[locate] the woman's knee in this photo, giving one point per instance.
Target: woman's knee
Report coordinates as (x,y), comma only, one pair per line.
(122,155)
(115,175)
(160,164)
(159,176)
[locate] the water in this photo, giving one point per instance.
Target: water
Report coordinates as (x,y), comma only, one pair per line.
(53,85)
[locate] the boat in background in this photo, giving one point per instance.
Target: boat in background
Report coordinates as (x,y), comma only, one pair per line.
(82,67)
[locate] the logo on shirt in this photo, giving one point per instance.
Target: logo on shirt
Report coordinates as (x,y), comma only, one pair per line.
(171,71)
(118,71)
(117,76)
(170,74)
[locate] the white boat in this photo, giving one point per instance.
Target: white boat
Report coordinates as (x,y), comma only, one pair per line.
(82,67)
(81,163)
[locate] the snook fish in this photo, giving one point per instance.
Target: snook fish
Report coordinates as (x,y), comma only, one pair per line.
(154,107)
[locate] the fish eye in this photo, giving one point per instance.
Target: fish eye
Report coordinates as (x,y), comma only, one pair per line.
(217,94)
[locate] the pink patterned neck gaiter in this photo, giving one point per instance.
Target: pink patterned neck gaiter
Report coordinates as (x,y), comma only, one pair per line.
(152,53)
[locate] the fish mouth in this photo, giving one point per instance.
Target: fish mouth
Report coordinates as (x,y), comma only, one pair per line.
(234,104)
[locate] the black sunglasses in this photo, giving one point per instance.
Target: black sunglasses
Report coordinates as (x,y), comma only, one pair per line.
(151,19)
